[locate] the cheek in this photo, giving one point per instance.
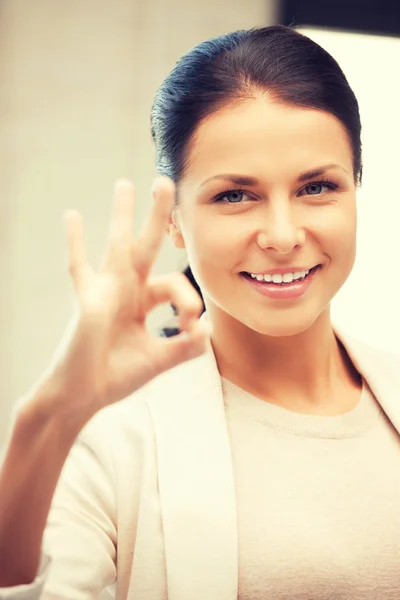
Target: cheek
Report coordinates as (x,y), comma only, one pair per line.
(337,239)
(334,225)
(216,241)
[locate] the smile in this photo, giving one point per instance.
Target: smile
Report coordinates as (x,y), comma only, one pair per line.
(281,278)
(284,286)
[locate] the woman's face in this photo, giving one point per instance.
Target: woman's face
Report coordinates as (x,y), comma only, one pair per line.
(279,217)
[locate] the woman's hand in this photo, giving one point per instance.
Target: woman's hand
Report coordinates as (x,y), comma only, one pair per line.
(107,352)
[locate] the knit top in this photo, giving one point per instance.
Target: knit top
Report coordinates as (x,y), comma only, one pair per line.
(317,500)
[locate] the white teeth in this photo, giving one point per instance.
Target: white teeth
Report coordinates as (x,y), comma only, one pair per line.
(281,278)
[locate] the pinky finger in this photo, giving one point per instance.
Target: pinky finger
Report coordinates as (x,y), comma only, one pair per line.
(77,260)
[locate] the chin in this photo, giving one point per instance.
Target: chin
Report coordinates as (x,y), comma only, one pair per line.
(288,325)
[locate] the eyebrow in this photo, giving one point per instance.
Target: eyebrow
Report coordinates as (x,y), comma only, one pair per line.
(252,181)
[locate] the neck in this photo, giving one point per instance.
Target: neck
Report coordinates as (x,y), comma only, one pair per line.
(308,372)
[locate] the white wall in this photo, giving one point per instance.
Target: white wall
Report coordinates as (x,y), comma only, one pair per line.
(77,83)
(368,306)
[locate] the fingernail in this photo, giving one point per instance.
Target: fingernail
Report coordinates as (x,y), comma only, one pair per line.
(184,335)
(155,184)
(122,183)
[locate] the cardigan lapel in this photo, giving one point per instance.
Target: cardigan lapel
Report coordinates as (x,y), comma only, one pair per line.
(196,484)
(195,469)
(380,369)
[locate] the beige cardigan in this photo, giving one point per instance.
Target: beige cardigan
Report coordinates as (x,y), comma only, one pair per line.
(153,477)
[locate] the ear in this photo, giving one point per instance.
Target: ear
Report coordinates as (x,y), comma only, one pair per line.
(174,230)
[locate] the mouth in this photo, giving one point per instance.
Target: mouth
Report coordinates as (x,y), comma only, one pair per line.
(283,283)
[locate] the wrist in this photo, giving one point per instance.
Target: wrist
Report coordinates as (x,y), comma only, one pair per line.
(46,405)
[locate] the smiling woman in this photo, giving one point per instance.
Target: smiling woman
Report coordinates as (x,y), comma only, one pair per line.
(255,459)
(270,156)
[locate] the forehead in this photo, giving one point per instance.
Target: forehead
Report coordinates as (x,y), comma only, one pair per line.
(265,137)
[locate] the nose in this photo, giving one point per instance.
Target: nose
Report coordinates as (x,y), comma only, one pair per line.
(281,233)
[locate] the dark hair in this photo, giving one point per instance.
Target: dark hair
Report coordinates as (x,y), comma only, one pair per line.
(189,275)
(224,70)
(221,71)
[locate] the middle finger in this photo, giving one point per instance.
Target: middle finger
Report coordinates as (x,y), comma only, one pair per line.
(151,237)
(117,254)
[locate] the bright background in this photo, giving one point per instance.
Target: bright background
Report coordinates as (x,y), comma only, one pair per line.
(368,305)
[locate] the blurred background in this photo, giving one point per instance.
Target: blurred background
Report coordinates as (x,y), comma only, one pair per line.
(77,80)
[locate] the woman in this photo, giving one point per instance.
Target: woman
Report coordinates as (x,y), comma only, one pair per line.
(261,462)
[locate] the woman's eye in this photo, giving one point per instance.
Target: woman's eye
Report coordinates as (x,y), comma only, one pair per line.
(316,188)
(231,197)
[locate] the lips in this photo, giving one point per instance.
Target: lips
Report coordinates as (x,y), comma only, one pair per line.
(282,291)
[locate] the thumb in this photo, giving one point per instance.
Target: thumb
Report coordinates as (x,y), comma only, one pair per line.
(184,346)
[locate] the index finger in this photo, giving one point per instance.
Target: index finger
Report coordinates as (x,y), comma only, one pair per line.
(151,236)
(77,258)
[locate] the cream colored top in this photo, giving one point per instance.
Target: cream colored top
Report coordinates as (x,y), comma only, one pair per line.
(318,501)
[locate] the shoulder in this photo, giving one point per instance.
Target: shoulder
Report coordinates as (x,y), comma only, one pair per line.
(130,419)
(371,349)
(125,421)
(129,425)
